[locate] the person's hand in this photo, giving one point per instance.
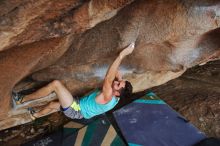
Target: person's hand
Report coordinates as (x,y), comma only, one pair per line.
(128,50)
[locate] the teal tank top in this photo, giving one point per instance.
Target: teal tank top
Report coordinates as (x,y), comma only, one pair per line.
(90,108)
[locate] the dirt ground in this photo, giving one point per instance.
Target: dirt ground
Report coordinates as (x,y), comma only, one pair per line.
(196,95)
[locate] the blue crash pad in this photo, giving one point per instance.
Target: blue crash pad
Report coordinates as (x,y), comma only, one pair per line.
(149,121)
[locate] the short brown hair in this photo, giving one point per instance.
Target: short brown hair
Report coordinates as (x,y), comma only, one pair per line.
(126,91)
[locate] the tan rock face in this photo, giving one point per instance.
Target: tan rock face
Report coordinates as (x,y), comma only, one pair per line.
(30,21)
(18,62)
(75,41)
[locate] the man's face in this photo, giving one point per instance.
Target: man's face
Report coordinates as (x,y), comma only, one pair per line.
(116,86)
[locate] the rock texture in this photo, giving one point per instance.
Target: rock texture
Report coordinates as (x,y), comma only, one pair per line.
(195,95)
(75,41)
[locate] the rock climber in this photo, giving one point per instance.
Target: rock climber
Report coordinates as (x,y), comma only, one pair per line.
(96,103)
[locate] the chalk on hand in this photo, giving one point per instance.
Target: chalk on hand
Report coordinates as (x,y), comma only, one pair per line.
(132,44)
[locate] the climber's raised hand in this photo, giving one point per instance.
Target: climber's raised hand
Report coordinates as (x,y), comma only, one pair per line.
(128,50)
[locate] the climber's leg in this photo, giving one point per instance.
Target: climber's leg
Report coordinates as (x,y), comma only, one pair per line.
(64,96)
(50,108)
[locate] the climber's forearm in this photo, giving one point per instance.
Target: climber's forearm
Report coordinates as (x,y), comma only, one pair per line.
(111,74)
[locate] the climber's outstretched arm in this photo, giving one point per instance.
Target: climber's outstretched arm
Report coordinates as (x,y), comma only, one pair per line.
(111,73)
